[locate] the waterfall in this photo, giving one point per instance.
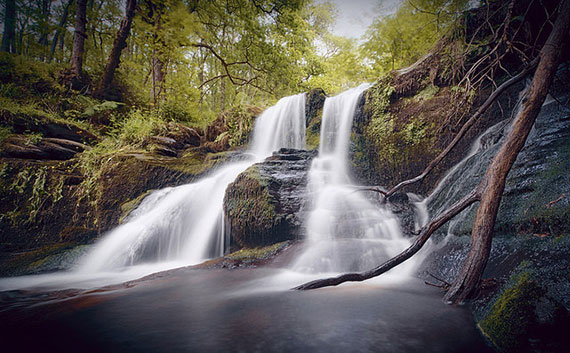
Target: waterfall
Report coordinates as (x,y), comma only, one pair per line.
(184,224)
(345,230)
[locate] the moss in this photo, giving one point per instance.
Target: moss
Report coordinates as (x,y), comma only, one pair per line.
(130,205)
(512,314)
(536,206)
(33,186)
(192,162)
(257,253)
(247,257)
(251,209)
(427,93)
(313,136)
(30,261)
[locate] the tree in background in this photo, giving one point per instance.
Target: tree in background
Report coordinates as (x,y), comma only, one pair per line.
(401,39)
(60,29)
(79,36)
(9,33)
(120,43)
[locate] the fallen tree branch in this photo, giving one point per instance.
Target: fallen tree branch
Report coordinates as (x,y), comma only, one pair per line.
(425,234)
(490,100)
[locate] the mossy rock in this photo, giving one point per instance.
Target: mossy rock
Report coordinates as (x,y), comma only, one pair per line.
(264,204)
(251,209)
(32,261)
(314,103)
(512,315)
(313,135)
(248,257)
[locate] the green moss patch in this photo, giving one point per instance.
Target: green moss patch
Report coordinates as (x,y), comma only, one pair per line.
(248,257)
(30,261)
(313,136)
(250,209)
(512,315)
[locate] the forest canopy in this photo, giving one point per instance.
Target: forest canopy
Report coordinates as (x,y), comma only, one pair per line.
(193,59)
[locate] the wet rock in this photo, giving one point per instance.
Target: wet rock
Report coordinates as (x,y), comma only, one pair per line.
(264,205)
(536,198)
(167,142)
(528,308)
(247,258)
(165,151)
(402,207)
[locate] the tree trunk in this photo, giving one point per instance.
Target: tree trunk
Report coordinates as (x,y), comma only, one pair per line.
(79,39)
(119,44)
(44,24)
(61,26)
(158,75)
(9,34)
(493,184)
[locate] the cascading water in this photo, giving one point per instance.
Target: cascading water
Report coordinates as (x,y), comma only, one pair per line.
(345,231)
(421,204)
(184,223)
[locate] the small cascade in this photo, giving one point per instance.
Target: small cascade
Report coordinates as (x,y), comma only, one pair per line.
(345,230)
(184,224)
(445,191)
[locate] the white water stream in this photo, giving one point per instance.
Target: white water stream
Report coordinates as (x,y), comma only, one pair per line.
(345,230)
(177,226)
(184,223)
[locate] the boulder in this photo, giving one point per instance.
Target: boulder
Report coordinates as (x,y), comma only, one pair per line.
(264,205)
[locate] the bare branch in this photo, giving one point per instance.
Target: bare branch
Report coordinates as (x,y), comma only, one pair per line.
(490,100)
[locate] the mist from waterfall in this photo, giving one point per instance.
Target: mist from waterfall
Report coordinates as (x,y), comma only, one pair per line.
(345,230)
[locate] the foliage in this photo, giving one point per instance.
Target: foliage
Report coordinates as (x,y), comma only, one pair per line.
(239,121)
(191,59)
(137,126)
(401,39)
(5,132)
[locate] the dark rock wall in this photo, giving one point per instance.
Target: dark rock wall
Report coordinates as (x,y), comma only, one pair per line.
(536,197)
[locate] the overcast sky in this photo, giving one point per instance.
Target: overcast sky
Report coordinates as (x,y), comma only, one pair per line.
(354,16)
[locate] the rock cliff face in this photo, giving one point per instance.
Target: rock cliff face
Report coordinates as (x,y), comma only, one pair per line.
(523,304)
(536,197)
(264,205)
